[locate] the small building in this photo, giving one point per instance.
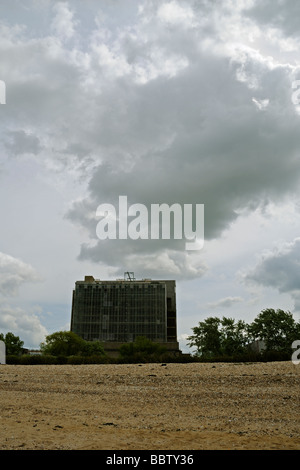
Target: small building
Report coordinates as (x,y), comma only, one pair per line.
(117,312)
(258,346)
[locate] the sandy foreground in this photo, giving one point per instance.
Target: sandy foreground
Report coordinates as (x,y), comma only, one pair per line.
(150,406)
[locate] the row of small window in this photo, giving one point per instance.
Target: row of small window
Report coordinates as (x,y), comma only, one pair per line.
(120,337)
(150,327)
(119,317)
(119,299)
(116,322)
(122,287)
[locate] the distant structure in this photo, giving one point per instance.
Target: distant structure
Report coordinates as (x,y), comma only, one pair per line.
(117,312)
(257,346)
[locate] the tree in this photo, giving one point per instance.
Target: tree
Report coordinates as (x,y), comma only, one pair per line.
(67,343)
(207,337)
(234,337)
(92,348)
(141,349)
(277,329)
(215,337)
(13,344)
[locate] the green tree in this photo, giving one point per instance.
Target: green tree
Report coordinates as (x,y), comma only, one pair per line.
(206,337)
(234,336)
(276,328)
(141,349)
(92,348)
(218,337)
(13,344)
(67,343)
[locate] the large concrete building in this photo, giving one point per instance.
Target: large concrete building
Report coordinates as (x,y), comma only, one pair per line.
(117,312)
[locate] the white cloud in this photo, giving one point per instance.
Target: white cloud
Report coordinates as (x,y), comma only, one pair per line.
(226,302)
(14,273)
(63,23)
(26,325)
(175,14)
(261,104)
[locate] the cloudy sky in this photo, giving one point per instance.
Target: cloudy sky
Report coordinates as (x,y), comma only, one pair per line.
(187,102)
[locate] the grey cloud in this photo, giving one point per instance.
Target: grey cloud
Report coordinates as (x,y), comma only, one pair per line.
(282,14)
(222,153)
(197,138)
(226,302)
(21,142)
(164,113)
(145,258)
(279,269)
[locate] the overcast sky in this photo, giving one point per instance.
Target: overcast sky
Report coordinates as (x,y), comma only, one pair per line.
(188,102)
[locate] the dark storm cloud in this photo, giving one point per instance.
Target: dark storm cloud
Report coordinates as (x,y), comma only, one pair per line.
(175,105)
(282,14)
(222,151)
(201,135)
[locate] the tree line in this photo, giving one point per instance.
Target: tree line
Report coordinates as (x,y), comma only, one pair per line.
(219,338)
(214,339)
(65,347)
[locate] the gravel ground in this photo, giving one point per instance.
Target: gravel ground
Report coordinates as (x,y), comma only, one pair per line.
(150,406)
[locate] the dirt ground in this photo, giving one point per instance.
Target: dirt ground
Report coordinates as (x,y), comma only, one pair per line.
(150,406)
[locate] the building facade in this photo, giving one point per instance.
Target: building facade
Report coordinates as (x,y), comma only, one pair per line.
(117,312)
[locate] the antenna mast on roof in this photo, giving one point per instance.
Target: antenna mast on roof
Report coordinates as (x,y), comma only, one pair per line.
(130,276)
